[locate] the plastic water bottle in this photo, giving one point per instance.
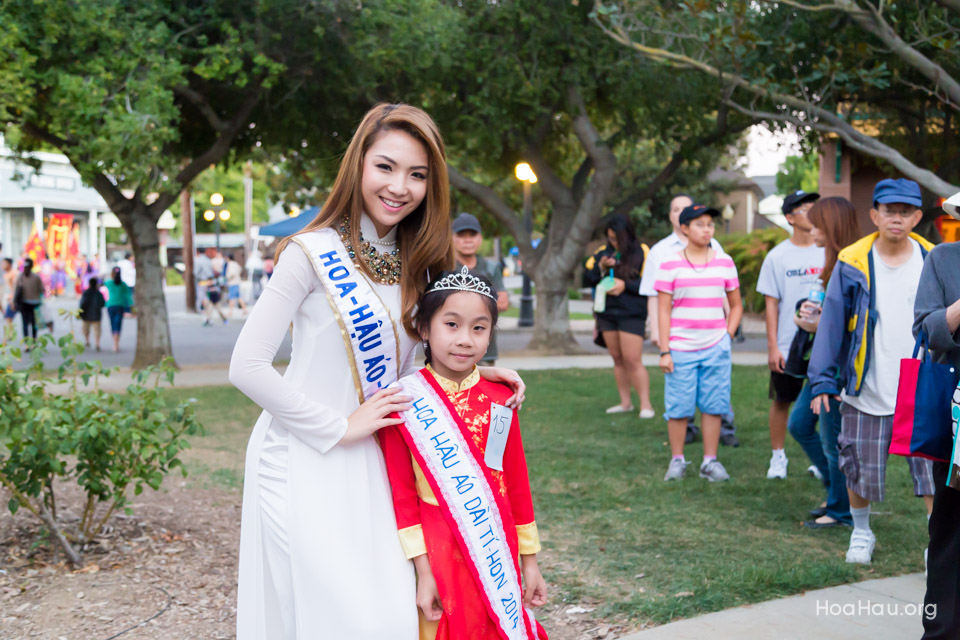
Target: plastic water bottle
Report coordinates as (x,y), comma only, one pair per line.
(816,295)
(600,295)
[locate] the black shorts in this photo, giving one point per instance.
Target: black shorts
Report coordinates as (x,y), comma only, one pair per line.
(213,294)
(628,324)
(784,387)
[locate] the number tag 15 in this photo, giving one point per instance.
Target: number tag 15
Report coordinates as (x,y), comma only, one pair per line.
(500,419)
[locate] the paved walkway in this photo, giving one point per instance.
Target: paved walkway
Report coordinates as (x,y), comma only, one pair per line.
(888,608)
(217,374)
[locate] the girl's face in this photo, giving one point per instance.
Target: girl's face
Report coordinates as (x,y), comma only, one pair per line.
(459,334)
(394,182)
(700,231)
(612,239)
(819,238)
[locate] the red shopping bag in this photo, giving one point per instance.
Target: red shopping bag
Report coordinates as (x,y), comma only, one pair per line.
(922,421)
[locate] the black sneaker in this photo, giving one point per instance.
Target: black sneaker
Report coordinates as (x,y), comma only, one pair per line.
(729,440)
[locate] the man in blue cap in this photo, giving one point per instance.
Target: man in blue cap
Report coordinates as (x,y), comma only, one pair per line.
(467,239)
(864,332)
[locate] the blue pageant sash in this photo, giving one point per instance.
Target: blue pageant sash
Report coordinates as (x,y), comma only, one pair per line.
(369,332)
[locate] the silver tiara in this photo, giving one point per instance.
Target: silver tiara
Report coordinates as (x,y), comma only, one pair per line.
(463,281)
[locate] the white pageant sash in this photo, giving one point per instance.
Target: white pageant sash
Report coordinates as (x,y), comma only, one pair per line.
(460,484)
(369,333)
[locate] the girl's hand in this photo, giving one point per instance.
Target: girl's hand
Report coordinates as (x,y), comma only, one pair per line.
(510,378)
(821,401)
(428,596)
(806,319)
(618,287)
(372,414)
(534,586)
(607,262)
(666,363)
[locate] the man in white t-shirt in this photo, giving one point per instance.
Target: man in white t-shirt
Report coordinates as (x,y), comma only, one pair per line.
(865,330)
(128,272)
(664,249)
(786,276)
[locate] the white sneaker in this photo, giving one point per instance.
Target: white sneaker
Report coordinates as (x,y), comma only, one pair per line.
(778,467)
(861,547)
(714,471)
(619,409)
(646,414)
(812,470)
(676,470)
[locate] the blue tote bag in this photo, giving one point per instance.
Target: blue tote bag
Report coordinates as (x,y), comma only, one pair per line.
(922,421)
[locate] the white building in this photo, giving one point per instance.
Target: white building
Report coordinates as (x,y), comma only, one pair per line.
(29,197)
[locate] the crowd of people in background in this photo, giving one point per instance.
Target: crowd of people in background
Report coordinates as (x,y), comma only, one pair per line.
(842,310)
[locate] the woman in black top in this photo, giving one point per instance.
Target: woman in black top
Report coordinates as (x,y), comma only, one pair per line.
(624,319)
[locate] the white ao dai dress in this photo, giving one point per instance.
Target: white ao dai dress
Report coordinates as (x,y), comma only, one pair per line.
(319,553)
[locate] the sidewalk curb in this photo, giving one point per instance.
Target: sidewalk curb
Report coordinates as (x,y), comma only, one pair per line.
(877,609)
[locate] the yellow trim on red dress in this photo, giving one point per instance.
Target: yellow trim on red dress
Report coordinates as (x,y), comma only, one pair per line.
(412,541)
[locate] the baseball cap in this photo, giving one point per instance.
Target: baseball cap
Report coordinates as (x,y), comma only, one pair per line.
(898,190)
(466,222)
(795,199)
(694,211)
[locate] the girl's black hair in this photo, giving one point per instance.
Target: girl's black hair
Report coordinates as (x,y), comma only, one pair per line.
(27,266)
(631,253)
(116,275)
(432,302)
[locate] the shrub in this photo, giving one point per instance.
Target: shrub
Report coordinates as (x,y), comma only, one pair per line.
(748,251)
(174,277)
(64,427)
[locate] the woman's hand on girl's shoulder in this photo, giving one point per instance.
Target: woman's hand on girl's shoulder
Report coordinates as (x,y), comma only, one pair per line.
(373,414)
(510,378)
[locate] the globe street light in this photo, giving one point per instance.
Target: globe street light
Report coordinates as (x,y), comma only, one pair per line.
(215,214)
(526,175)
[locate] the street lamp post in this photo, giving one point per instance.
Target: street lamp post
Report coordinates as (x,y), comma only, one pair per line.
(215,214)
(526,175)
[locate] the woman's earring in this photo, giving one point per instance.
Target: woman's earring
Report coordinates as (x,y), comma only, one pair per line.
(425,345)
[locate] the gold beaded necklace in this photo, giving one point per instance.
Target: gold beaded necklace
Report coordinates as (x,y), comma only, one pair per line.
(385,267)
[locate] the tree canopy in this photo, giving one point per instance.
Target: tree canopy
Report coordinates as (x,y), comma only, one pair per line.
(882,77)
(142,97)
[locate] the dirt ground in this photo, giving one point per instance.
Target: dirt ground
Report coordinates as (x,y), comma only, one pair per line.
(166,572)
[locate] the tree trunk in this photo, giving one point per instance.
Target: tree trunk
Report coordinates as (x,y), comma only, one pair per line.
(551,332)
(153,323)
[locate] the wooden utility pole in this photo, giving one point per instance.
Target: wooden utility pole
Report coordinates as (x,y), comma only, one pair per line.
(187,220)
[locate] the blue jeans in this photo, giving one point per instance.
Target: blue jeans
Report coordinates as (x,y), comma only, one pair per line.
(802,425)
(822,450)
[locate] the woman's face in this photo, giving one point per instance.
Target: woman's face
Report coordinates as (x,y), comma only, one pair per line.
(612,239)
(819,238)
(394,181)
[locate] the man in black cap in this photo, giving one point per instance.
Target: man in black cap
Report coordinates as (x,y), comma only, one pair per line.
(789,271)
(467,239)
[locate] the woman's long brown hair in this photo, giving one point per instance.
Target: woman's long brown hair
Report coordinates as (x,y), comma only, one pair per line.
(837,219)
(424,237)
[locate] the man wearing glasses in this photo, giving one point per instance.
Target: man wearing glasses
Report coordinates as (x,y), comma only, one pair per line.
(864,332)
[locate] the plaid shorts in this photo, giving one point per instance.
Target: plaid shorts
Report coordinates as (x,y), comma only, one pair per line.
(864,444)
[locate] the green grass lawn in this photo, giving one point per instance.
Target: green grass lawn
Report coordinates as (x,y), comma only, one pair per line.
(616,535)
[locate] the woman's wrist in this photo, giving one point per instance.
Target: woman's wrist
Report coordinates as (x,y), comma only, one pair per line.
(665,353)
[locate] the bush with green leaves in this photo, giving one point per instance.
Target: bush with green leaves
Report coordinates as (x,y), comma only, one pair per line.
(61,426)
(748,251)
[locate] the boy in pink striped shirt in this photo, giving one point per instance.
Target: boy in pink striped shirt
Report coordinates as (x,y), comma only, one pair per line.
(695,338)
